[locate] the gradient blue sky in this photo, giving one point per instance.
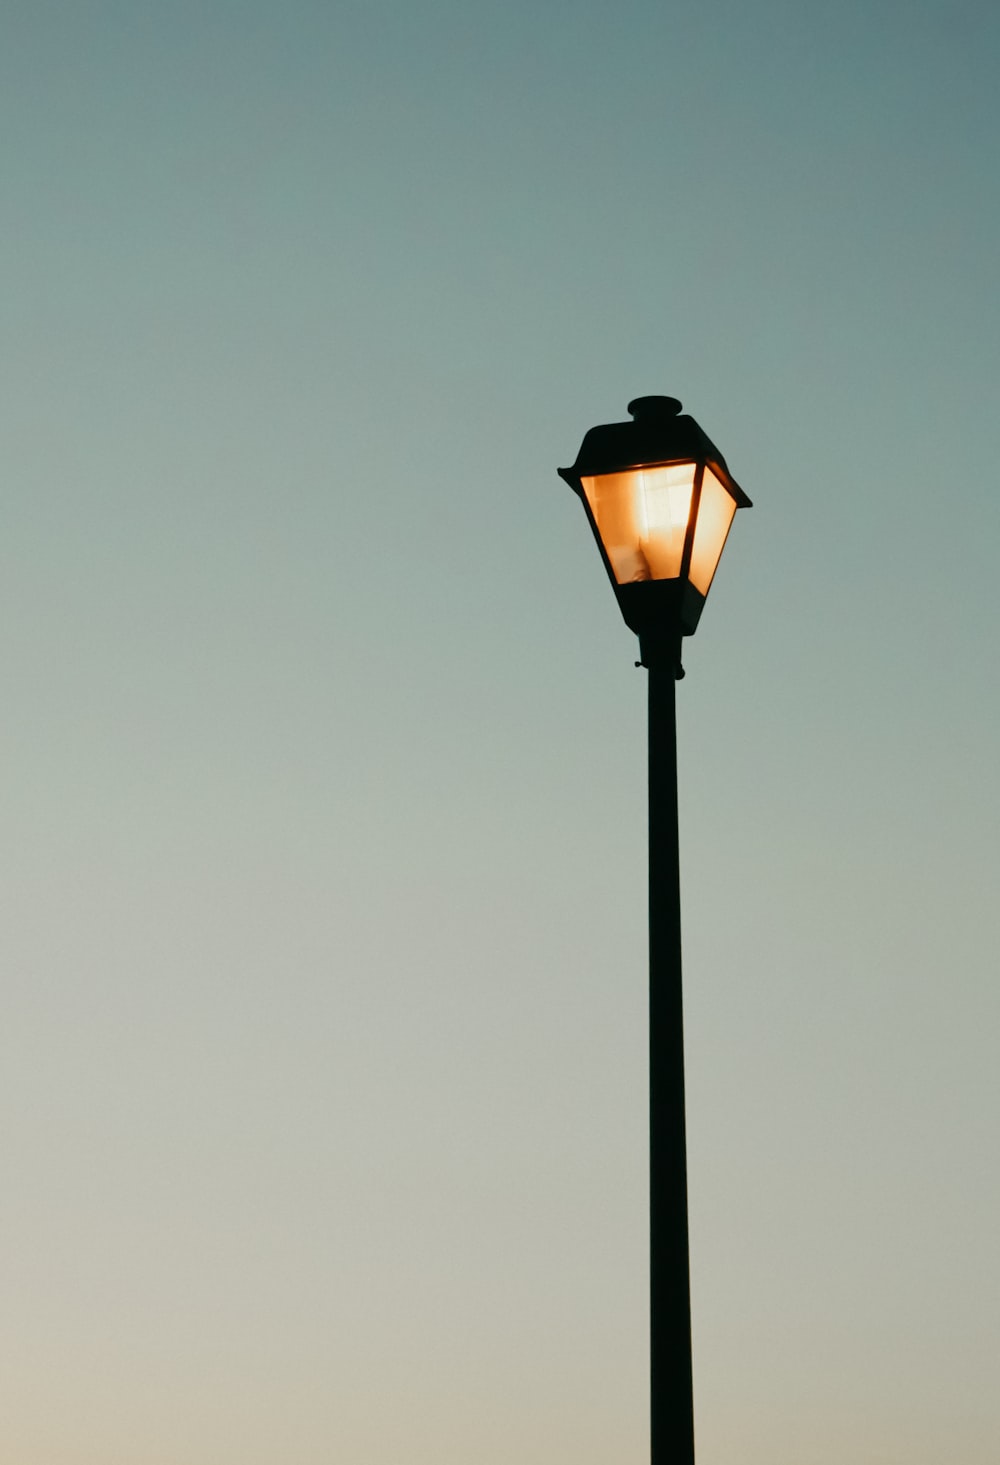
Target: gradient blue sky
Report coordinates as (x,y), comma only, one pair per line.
(323,938)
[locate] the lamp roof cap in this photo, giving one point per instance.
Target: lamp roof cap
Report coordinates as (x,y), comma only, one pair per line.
(658,433)
(645,408)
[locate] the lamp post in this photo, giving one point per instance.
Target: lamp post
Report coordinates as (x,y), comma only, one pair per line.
(660,500)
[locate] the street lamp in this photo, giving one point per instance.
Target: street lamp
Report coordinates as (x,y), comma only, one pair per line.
(660,500)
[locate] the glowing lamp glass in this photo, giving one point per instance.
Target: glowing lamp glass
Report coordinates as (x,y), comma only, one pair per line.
(642,517)
(716,508)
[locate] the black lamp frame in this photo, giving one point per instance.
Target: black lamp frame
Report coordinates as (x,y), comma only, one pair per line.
(660,612)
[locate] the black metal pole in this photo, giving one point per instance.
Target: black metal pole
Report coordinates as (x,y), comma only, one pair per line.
(672,1406)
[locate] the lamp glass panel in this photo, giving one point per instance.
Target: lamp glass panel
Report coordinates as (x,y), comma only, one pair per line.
(715,514)
(642,516)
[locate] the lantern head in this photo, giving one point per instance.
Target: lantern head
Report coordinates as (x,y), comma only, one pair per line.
(660,501)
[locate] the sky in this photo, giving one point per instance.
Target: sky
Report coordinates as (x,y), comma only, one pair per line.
(322,1016)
